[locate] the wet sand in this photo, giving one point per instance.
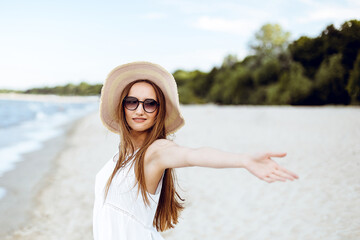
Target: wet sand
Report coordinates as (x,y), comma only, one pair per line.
(23,183)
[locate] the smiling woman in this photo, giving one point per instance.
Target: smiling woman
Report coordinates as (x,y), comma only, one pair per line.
(140,118)
(135,195)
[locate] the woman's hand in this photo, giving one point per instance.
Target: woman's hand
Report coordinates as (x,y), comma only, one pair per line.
(262,166)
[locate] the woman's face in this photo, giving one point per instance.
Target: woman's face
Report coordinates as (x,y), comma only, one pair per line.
(139,120)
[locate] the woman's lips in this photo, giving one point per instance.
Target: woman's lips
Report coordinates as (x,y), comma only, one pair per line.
(139,120)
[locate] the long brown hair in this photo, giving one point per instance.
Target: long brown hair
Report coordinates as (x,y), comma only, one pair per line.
(169,206)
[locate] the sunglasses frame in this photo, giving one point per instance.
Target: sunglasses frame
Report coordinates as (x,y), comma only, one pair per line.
(138,103)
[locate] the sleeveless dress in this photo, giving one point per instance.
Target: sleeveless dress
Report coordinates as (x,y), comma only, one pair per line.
(123,215)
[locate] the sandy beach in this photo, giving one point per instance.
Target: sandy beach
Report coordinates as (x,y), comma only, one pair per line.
(323,149)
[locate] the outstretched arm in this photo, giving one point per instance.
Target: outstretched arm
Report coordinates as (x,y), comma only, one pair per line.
(166,154)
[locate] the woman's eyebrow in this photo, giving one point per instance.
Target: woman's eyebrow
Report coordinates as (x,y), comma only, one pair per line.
(142,99)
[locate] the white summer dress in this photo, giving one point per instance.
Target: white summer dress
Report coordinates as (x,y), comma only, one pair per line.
(123,215)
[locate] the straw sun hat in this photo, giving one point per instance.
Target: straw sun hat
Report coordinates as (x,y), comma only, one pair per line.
(122,75)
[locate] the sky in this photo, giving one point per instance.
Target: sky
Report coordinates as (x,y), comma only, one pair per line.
(49,43)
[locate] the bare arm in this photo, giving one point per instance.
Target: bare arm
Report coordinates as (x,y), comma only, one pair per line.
(166,154)
(208,157)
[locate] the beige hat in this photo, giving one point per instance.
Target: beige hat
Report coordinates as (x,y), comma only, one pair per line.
(122,75)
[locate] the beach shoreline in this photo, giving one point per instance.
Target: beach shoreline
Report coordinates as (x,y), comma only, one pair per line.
(61,194)
(29,177)
(29,124)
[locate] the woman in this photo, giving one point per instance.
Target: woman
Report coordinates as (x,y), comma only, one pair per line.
(135,196)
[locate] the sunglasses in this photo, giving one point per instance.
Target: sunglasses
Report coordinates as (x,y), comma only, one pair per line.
(132,103)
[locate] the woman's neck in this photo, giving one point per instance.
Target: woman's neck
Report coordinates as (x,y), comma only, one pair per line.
(138,138)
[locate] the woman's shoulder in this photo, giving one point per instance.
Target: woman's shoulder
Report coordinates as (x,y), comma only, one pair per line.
(158,146)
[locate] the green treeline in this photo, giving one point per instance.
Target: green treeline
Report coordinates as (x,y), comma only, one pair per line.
(82,89)
(308,71)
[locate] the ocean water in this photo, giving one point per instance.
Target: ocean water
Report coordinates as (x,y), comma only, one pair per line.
(25,125)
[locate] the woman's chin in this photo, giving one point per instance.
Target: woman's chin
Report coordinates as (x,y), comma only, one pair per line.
(138,130)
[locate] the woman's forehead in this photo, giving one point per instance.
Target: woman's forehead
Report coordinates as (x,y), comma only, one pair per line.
(142,90)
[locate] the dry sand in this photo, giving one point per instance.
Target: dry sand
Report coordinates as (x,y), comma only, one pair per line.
(323,149)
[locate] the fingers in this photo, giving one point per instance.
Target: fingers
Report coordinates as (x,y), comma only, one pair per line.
(288,172)
(277,177)
(280,175)
(268,179)
(284,175)
(273,178)
(277,154)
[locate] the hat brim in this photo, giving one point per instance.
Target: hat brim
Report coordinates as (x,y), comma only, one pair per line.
(122,75)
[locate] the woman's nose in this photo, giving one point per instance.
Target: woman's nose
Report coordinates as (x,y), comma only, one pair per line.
(140,108)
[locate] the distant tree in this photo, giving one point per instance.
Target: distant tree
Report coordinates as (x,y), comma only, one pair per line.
(231,86)
(330,85)
(268,72)
(193,86)
(96,89)
(350,36)
(293,87)
(332,40)
(270,58)
(200,84)
(187,96)
(83,89)
(311,52)
(182,77)
(229,61)
(353,86)
(270,40)
(9,91)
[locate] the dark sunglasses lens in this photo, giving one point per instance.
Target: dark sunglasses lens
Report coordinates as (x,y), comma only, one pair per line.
(150,105)
(131,103)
